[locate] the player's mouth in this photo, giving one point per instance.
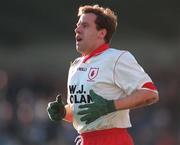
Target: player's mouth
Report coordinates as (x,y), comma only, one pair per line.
(78,39)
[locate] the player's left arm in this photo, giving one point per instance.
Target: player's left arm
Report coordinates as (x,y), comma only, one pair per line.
(138,98)
(100,106)
(138,86)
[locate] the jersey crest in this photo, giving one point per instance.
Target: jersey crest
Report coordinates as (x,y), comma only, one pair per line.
(93,72)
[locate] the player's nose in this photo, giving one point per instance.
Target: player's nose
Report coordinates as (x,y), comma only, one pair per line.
(77,29)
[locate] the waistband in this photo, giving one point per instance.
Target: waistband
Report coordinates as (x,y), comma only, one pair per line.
(104,132)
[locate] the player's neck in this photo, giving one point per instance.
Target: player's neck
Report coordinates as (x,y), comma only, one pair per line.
(93,48)
(96,52)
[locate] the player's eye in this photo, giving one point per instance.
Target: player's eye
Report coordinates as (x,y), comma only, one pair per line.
(85,25)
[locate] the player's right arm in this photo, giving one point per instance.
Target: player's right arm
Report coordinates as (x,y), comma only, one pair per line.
(58,111)
(69,115)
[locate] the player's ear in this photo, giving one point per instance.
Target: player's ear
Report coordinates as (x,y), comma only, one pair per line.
(102,33)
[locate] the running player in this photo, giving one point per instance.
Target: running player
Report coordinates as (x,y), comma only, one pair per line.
(103,84)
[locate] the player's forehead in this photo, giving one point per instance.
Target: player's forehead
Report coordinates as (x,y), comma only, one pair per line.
(87,18)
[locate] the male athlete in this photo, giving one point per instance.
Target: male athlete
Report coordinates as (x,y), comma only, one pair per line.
(103,84)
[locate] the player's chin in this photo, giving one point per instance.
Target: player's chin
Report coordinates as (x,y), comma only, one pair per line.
(79,48)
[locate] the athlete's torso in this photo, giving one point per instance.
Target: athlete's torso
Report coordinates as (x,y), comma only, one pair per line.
(100,74)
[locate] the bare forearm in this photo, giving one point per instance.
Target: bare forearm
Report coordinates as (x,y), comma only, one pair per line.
(69,114)
(137,99)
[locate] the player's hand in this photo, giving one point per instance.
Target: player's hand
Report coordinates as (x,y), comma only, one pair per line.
(98,108)
(56,109)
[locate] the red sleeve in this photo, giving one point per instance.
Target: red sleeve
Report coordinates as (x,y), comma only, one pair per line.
(149,85)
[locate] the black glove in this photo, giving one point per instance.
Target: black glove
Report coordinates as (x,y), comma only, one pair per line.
(56,109)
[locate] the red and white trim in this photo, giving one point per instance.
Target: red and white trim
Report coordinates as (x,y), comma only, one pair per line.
(149,86)
(97,51)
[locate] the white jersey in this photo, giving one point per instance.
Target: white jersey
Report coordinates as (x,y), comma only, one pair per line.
(112,74)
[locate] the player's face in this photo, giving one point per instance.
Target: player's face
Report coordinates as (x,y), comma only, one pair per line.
(87,36)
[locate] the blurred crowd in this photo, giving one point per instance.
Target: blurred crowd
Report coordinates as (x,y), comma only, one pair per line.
(24,120)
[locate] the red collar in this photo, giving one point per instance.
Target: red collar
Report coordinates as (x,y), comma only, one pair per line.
(97,51)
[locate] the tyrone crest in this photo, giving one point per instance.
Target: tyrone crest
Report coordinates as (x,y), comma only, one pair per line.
(93,72)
